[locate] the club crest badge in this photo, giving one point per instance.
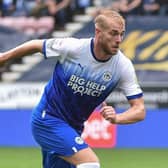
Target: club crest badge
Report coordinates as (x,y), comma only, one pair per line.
(79,140)
(107,76)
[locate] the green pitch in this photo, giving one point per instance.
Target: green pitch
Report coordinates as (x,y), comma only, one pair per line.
(110,158)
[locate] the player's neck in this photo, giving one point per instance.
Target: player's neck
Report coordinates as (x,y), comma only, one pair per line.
(99,52)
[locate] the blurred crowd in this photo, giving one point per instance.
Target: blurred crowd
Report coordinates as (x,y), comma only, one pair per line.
(46,15)
(31,15)
(136,7)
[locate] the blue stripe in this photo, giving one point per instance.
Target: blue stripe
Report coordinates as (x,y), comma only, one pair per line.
(135,96)
(44,49)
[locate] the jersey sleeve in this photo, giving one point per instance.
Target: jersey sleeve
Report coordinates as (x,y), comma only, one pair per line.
(56,47)
(129,83)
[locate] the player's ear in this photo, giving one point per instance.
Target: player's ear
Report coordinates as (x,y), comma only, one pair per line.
(97,30)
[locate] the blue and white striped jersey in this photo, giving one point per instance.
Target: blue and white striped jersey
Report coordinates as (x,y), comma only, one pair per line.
(80,82)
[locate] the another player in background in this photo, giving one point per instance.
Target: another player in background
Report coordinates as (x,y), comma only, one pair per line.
(86,72)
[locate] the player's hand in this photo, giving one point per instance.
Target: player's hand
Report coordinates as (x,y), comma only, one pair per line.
(108,113)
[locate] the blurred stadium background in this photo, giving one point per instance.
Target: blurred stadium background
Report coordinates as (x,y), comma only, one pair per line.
(141,145)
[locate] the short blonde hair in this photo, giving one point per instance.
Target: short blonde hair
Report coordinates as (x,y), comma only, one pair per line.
(101,19)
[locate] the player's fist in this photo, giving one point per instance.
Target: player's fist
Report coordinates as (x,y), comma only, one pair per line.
(108,113)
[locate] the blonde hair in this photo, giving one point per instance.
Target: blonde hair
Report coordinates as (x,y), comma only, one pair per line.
(101,19)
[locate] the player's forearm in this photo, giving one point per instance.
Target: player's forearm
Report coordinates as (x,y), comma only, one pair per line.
(27,48)
(132,115)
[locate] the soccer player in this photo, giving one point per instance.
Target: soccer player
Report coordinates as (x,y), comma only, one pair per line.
(86,72)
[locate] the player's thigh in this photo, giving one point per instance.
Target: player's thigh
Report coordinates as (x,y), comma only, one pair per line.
(83,156)
(56,136)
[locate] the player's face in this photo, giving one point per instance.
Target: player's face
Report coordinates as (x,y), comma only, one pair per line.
(111,37)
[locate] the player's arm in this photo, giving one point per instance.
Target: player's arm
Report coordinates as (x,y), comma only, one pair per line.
(131,89)
(135,113)
(22,50)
